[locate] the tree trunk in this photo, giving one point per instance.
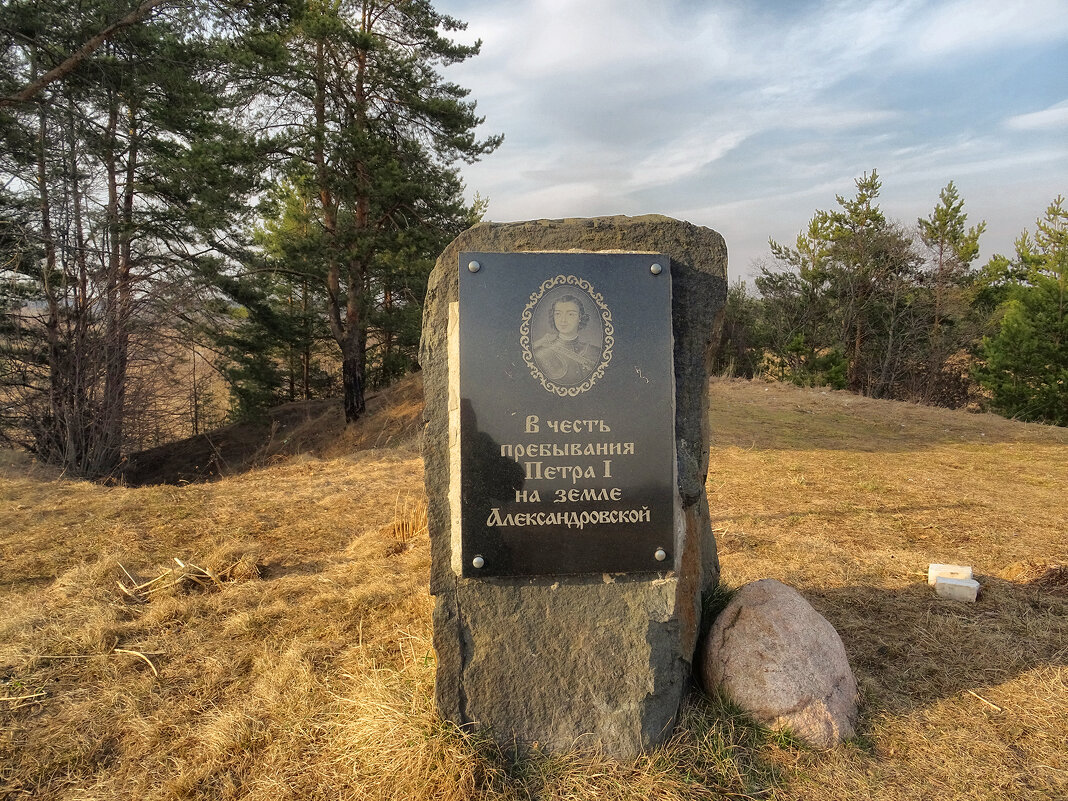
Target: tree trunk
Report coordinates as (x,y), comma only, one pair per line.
(349,329)
(936,360)
(354,351)
(52,437)
(855,383)
(305,355)
(354,342)
(196,394)
(118,309)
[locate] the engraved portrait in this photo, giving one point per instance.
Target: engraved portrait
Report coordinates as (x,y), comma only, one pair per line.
(566,333)
(570,349)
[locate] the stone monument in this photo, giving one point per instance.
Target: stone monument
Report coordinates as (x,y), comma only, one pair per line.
(566,449)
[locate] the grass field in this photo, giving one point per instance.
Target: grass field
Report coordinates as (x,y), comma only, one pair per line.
(288,656)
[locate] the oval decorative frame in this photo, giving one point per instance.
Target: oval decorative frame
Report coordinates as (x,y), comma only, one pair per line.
(605,315)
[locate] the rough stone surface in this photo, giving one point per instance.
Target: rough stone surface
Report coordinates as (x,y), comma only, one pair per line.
(599,662)
(781,661)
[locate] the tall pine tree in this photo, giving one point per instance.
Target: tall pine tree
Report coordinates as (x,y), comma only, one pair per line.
(373,132)
(843,312)
(124,170)
(1026,361)
(949,278)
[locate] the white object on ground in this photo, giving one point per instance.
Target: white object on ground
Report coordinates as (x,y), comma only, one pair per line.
(956,589)
(948,571)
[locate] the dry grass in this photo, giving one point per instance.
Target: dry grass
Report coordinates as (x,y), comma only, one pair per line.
(849,500)
(307,670)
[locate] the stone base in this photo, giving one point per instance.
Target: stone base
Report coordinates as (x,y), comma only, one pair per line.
(565,665)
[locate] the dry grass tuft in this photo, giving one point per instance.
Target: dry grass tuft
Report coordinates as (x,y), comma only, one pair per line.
(392,745)
(186,577)
(309,673)
(409,522)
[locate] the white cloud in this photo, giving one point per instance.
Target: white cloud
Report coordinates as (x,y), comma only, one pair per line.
(827,118)
(747,117)
(1053,118)
(574,199)
(544,40)
(562,38)
(835,41)
(945,29)
(684,156)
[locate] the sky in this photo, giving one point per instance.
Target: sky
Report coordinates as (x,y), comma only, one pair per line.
(747,117)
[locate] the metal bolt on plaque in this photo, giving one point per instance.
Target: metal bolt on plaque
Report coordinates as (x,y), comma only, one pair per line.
(474,266)
(656,269)
(478,561)
(660,554)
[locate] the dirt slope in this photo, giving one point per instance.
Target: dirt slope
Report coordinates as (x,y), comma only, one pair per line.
(316,427)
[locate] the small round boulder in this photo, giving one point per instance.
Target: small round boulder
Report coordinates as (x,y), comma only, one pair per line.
(781,661)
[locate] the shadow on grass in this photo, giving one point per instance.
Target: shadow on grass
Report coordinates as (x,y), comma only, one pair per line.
(239,447)
(909,647)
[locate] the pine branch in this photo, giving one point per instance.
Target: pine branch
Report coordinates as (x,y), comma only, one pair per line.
(71,62)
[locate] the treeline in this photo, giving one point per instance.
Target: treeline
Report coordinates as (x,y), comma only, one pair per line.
(863,303)
(198,194)
(208,207)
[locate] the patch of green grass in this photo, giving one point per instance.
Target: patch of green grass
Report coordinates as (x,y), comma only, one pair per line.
(719,747)
(714,600)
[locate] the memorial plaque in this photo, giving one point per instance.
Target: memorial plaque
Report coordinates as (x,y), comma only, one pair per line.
(566,413)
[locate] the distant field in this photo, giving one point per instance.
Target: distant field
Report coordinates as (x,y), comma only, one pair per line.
(289,656)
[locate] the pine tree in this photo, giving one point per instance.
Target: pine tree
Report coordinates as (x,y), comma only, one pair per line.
(742,340)
(952,248)
(1026,361)
(127,171)
(272,335)
(373,134)
(845,308)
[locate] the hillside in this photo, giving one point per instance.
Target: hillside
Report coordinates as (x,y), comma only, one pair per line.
(302,427)
(289,655)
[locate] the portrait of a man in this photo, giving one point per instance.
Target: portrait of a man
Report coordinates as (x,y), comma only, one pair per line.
(570,350)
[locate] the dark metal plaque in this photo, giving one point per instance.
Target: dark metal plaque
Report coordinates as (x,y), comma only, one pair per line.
(567,413)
